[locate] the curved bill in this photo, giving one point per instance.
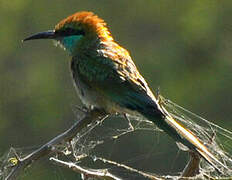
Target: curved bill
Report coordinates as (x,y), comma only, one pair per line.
(50,34)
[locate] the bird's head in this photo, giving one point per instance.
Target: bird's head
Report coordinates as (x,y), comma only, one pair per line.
(76,30)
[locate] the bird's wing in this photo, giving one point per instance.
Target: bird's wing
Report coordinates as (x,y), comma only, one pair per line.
(117,79)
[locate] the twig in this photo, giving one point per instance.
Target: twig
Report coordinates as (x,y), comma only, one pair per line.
(144,174)
(94,173)
(48,148)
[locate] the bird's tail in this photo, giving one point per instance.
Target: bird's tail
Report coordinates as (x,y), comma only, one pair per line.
(181,135)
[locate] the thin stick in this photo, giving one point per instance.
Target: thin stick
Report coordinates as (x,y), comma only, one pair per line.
(94,173)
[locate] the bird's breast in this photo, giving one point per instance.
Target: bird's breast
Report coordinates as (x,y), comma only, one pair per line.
(84,77)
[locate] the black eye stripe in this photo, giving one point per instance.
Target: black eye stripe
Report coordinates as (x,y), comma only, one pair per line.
(70,32)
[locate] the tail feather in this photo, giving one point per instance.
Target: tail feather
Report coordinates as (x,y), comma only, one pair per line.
(197,144)
(180,134)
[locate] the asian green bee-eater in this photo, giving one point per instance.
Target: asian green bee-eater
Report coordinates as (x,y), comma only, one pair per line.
(106,77)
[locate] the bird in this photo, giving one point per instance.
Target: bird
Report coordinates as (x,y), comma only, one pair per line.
(105,77)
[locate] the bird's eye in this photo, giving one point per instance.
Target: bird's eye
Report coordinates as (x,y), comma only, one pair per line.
(70,32)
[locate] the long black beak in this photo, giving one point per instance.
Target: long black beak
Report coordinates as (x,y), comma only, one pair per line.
(42,35)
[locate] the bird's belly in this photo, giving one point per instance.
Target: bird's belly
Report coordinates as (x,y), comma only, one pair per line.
(91,98)
(87,96)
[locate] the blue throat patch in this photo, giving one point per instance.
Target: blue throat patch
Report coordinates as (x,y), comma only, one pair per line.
(70,42)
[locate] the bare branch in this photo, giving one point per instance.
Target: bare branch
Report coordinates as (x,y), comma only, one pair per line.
(48,148)
(146,175)
(94,173)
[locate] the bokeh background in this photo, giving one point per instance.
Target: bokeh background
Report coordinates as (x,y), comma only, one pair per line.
(182,47)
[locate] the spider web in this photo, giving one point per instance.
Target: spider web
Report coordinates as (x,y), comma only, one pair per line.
(134,148)
(217,139)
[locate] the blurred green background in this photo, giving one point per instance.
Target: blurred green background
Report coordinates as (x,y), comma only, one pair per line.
(183,47)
